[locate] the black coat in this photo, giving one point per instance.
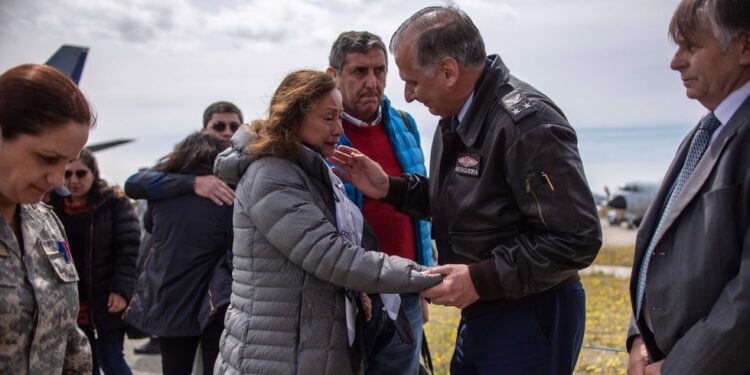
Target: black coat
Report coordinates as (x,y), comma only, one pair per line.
(186,277)
(113,236)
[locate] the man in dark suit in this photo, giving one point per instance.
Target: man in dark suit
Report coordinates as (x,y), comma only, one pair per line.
(690,287)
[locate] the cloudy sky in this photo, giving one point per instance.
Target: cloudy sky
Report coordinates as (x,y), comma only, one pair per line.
(153,66)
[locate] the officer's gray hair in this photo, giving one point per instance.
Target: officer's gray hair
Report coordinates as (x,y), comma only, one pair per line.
(354,42)
(440,32)
(726,18)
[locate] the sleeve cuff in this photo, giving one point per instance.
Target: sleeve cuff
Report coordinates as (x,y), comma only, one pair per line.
(485,278)
(396,186)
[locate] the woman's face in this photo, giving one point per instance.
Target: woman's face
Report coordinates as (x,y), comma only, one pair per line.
(78,179)
(33,164)
(321,127)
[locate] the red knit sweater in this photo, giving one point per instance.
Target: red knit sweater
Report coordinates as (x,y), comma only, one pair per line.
(394,230)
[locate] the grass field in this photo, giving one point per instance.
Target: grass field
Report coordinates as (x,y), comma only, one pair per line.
(607,316)
(616,256)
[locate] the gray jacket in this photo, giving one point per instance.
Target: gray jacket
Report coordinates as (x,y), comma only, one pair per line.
(286,313)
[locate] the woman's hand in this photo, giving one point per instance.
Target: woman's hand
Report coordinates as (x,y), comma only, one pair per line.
(115,303)
(365,174)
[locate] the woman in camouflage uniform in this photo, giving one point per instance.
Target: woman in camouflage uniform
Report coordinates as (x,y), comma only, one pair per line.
(44,123)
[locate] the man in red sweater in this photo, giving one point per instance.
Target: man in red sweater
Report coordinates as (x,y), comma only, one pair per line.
(359,64)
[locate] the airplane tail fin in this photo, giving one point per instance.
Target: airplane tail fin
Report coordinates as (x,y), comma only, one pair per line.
(69,60)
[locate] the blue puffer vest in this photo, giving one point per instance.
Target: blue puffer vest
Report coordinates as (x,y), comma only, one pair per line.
(405,141)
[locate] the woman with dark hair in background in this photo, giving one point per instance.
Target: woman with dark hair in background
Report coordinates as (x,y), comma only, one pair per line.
(44,123)
(301,244)
(182,294)
(104,235)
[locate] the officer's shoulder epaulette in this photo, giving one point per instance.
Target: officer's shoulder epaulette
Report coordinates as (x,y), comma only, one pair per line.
(516,103)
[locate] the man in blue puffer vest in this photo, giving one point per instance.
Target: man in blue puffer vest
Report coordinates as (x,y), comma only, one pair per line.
(359,64)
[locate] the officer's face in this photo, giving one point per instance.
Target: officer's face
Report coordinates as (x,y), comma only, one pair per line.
(425,87)
(710,72)
(33,164)
(361,82)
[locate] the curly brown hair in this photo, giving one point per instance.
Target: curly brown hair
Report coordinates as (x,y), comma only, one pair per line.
(298,93)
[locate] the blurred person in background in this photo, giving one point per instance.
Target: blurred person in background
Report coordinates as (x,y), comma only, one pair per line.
(103,234)
(44,123)
(183,292)
(220,120)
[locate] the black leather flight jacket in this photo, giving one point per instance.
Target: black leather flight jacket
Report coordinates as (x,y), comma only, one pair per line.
(507,194)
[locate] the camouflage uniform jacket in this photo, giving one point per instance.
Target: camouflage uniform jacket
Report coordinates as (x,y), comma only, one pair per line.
(39,299)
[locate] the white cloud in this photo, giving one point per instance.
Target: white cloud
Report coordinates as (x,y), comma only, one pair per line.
(154,65)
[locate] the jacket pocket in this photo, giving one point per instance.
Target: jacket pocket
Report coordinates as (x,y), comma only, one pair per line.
(63,267)
(478,245)
(549,200)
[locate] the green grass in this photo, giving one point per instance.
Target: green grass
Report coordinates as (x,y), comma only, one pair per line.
(615,256)
(607,317)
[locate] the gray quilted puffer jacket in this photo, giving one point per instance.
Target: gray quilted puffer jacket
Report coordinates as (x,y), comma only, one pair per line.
(286,313)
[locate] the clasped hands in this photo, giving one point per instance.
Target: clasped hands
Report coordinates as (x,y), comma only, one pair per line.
(455,290)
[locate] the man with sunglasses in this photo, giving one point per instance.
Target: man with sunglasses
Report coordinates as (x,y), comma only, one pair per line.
(220,120)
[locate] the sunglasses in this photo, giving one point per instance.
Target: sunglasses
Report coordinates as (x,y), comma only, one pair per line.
(219,126)
(81,173)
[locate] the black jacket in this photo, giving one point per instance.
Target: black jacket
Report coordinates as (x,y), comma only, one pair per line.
(113,236)
(507,193)
(186,277)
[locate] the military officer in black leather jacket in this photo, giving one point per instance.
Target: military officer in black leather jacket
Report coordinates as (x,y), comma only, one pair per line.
(513,217)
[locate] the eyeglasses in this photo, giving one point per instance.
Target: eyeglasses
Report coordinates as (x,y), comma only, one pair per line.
(219,126)
(81,173)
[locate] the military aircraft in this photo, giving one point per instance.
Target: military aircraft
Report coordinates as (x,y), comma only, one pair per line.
(628,203)
(70,60)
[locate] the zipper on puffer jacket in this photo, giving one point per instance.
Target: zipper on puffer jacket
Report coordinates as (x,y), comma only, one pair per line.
(530,190)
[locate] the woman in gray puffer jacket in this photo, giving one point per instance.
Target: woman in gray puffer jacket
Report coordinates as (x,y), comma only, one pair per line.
(298,246)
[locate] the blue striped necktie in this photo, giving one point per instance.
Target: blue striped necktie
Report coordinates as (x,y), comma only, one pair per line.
(698,147)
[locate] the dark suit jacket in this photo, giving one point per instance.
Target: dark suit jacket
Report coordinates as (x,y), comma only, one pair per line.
(698,286)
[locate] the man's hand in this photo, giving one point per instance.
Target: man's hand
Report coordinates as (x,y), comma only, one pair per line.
(638,358)
(213,188)
(115,303)
(425,310)
(456,289)
(654,368)
(366,306)
(365,174)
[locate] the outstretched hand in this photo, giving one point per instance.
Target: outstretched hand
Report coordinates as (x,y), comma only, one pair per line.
(456,290)
(365,174)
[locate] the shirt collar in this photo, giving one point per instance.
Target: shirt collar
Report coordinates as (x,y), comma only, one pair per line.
(729,106)
(362,124)
(465,108)
(732,103)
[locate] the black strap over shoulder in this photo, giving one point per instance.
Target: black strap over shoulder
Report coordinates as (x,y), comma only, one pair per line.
(405,119)
(425,368)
